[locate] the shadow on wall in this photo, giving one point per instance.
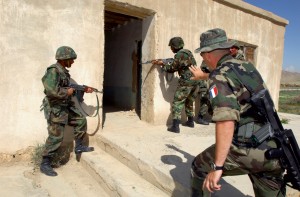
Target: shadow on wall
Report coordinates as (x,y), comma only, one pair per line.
(168,84)
(181,175)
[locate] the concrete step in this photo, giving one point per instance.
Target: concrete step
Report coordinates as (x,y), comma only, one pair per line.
(148,170)
(116,178)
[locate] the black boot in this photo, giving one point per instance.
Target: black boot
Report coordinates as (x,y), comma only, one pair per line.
(190,122)
(201,120)
(79,148)
(46,167)
(175,126)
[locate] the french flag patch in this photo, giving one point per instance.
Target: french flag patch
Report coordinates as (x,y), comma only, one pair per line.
(213,91)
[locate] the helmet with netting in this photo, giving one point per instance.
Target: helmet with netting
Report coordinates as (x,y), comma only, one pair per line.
(64,53)
(176,43)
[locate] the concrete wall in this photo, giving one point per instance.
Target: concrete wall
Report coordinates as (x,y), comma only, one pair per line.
(32,30)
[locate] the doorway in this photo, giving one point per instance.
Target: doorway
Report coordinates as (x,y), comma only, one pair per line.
(125,29)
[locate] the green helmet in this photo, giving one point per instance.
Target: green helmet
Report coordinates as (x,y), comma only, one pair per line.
(64,53)
(176,43)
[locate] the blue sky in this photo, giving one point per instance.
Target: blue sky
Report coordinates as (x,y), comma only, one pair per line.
(290,10)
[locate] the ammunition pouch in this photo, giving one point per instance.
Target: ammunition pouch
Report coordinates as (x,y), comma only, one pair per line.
(251,135)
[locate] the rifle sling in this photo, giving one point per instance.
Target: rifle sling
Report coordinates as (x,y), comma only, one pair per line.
(97,108)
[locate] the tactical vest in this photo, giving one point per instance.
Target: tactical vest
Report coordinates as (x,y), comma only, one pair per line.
(184,72)
(63,81)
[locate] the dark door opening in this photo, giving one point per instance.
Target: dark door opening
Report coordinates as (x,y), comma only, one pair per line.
(122,74)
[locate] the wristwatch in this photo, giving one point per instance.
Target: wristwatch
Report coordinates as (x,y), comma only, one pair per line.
(215,167)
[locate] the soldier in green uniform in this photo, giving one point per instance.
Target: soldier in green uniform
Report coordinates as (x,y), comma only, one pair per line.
(186,91)
(205,107)
(237,120)
(59,110)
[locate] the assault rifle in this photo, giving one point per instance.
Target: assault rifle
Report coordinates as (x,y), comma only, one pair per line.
(167,61)
(287,150)
(80,89)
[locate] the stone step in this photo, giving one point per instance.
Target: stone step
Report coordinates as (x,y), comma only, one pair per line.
(148,170)
(116,178)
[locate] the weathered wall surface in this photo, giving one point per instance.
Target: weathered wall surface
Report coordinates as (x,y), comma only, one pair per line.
(31,31)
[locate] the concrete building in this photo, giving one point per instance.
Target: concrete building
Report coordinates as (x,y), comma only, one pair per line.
(111,38)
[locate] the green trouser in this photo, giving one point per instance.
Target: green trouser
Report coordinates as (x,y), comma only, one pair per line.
(58,118)
(205,106)
(184,97)
(265,175)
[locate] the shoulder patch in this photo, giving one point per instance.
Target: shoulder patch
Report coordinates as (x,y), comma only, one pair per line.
(213,91)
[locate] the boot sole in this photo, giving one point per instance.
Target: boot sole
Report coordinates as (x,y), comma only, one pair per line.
(49,174)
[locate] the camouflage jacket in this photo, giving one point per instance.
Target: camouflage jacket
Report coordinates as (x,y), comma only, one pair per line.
(228,96)
(56,81)
(182,60)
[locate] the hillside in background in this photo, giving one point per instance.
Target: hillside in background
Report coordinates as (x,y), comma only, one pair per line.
(290,79)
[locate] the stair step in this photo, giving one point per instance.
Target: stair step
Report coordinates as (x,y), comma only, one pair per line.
(116,178)
(72,180)
(148,166)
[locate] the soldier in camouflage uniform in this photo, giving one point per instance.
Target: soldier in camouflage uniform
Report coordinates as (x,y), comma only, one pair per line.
(205,107)
(186,91)
(59,110)
(236,51)
(236,121)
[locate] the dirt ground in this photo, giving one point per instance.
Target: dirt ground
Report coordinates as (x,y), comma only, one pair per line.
(19,177)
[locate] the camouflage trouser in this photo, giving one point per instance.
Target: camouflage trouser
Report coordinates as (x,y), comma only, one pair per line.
(184,97)
(205,106)
(58,118)
(265,175)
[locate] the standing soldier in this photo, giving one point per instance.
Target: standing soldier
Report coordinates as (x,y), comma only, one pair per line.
(186,91)
(205,107)
(59,110)
(236,151)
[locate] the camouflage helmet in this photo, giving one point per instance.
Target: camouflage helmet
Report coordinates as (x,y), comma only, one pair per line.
(64,53)
(176,43)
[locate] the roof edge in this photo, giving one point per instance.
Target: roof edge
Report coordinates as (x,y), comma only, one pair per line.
(251,9)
